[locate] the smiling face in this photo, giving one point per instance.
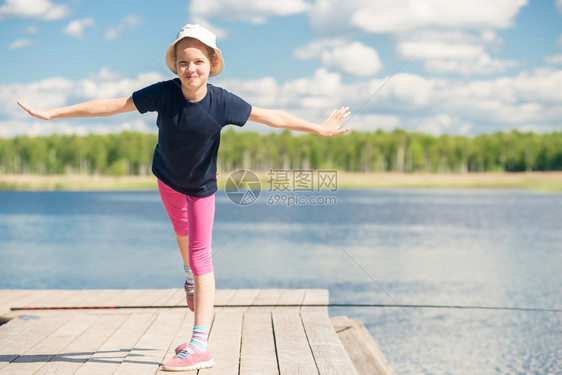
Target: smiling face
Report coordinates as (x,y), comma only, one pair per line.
(193,64)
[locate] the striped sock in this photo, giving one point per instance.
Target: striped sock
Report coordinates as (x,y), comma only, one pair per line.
(199,338)
(189,282)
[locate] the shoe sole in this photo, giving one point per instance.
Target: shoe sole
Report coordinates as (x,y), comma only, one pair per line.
(197,366)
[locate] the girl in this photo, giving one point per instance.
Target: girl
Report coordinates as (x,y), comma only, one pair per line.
(191,114)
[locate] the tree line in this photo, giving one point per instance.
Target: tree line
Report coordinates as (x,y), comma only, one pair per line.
(130,153)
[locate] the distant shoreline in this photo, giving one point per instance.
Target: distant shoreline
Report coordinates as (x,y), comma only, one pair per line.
(541,181)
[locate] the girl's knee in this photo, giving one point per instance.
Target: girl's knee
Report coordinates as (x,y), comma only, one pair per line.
(201,261)
(202,269)
(181,230)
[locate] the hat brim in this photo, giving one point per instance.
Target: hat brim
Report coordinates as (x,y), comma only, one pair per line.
(170,59)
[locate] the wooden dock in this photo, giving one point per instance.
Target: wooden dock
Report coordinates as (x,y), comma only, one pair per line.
(253,332)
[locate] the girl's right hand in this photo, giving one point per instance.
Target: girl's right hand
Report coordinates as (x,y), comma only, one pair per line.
(43,115)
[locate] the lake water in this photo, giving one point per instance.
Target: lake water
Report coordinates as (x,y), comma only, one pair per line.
(433,247)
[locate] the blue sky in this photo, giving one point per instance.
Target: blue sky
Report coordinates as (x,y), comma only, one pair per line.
(477,68)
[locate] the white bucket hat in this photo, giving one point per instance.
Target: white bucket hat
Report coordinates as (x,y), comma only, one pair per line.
(204,36)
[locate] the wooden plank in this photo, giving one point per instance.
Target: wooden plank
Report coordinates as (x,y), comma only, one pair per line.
(293,352)
(129,297)
(329,354)
(258,345)
(183,334)
(69,298)
(224,342)
(177,298)
(365,354)
(8,297)
(243,297)
(52,297)
(43,298)
(110,355)
(156,297)
(12,330)
(25,300)
(249,340)
(140,297)
(316,297)
(100,297)
(258,354)
(69,360)
(43,351)
(265,297)
(21,334)
(144,297)
(78,298)
(116,299)
(148,353)
(222,296)
(290,297)
(48,298)
(226,331)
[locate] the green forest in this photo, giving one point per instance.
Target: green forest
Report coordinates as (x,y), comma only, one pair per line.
(130,153)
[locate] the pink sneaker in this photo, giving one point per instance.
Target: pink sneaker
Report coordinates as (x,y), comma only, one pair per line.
(189,359)
(189,297)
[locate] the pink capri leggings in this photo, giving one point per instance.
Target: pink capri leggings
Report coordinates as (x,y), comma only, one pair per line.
(193,217)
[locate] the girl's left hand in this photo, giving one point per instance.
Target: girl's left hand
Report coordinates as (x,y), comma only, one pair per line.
(333,122)
(43,115)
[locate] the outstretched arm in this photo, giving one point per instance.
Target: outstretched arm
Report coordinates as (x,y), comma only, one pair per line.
(280,119)
(94,108)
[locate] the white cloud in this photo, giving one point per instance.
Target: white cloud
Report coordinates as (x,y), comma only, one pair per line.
(40,9)
(356,59)
(554,59)
(529,100)
(319,92)
(20,43)
(129,22)
(108,84)
(38,128)
(352,58)
(33,29)
(483,64)
(436,105)
(559,6)
(220,33)
(58,92)
(76,28)
(447,37)
(429,50)
(455,52)
(245,10)
(436,125)
(374,122)
(262,92)
(399,16)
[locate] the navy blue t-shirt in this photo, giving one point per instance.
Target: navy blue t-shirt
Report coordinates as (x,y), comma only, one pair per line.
(185,157)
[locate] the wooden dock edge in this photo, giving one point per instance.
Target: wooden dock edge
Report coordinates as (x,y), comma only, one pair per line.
(363,351)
